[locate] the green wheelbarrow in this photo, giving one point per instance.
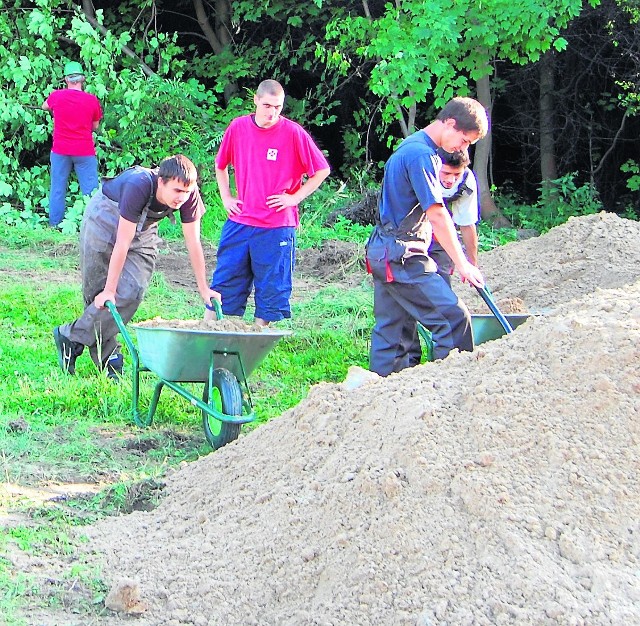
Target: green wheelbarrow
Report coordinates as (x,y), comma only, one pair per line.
(221,360)
(485,327)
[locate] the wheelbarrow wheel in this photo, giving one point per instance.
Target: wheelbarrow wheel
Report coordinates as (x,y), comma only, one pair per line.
(225,397)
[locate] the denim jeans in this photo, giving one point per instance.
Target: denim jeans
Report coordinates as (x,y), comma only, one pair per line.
(86,168)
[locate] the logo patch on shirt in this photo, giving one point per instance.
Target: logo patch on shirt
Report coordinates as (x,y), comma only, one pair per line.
(272,154)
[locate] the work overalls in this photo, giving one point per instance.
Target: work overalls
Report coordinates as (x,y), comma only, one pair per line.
(96,328)
(407,289)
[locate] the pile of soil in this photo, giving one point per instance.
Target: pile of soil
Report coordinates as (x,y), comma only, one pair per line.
(228,324)
(571,260)
(495,487)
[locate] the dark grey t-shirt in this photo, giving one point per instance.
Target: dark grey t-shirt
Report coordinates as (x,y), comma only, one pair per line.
(132,189)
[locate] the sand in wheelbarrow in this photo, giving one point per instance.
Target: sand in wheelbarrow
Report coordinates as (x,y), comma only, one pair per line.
(228,324)
(495,487)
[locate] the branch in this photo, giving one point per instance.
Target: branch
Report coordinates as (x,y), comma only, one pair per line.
(88,10)
(612,146)
(208,31)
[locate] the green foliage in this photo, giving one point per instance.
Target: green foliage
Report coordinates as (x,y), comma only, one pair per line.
(559,200)
(633,168)
(490,237)
(330,197)
(424,51)
(145,118)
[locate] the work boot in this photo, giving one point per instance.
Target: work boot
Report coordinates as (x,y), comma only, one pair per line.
(113,367)
(68,351)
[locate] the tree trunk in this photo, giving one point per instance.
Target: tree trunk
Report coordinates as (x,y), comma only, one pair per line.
(488,209)
(218,37)
(548,168)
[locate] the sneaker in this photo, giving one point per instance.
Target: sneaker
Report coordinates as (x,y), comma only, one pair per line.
(68,351)
(113,366)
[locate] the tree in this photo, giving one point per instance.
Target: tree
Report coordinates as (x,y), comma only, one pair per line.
(148,113)
(426,52)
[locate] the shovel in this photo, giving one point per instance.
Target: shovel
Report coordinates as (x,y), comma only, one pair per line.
(485,294)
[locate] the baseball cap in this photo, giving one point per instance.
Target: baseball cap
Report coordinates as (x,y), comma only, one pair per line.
(73,67)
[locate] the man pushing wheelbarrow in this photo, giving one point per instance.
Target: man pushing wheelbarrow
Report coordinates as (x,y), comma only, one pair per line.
(118,249)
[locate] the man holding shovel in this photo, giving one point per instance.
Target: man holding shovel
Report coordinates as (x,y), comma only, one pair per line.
(460,196)
(118,248)
(407,287)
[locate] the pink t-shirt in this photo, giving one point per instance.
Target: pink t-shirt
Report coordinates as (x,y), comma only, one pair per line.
(74,113)
(268,161)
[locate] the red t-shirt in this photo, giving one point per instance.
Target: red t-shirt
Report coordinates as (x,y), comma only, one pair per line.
(268,161)
(74,113)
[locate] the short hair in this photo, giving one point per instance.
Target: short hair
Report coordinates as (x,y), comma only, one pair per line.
(178,166)
(459,158)
(269,88)
(468,114)
(75,78)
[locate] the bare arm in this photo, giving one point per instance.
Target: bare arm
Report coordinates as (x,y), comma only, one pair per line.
(282,201)
(191,233)
(124,237)
(445,233)
(231,204)
(470,240)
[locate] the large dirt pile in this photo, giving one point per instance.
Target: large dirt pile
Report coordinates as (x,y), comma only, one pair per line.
(567,262)
(497,487)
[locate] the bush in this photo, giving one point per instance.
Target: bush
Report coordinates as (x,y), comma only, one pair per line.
(145,118)
(559,200)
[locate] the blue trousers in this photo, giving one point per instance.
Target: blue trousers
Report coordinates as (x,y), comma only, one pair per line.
(86,169)
(264,258)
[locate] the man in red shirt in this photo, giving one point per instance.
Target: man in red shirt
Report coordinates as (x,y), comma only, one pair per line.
(270,156)
(76,115)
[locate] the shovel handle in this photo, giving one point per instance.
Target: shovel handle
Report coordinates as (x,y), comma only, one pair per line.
(485,294)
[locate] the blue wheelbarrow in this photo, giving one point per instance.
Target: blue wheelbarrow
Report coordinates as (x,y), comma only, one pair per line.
(222,360)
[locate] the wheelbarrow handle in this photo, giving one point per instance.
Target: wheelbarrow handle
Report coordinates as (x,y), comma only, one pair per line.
(122,328)
(485,294)
(217,308)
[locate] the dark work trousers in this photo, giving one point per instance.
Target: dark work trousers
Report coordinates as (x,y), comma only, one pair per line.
(414,295)
(96,328)
(410,337)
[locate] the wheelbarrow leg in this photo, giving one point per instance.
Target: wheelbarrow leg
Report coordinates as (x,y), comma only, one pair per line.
(152,407)
(135,395)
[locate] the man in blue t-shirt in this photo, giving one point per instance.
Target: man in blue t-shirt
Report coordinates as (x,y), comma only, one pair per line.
(407,287)
(118,249)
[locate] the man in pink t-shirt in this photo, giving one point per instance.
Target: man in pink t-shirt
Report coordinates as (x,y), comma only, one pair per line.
(76,115)
(270,155)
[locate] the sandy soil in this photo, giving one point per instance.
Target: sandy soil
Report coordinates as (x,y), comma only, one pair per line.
(495,487)
(228,324)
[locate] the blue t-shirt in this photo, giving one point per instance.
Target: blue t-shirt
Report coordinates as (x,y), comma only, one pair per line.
(410,178)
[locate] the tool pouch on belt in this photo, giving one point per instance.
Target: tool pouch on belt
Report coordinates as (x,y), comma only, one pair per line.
(385,248)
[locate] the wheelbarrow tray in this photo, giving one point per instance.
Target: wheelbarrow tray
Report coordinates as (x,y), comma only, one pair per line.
(487,327)
(184,355)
